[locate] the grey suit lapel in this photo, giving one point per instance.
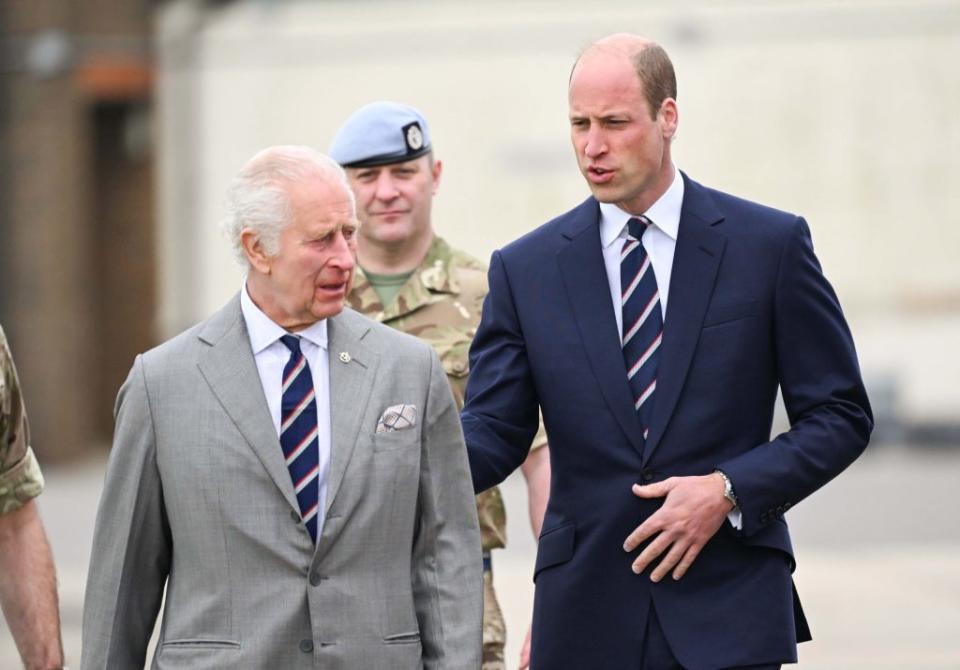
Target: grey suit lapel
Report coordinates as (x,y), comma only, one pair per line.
(353,366)
(231,372)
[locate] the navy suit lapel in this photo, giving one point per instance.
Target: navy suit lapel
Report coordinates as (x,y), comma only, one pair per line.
(585,279)
(696,260)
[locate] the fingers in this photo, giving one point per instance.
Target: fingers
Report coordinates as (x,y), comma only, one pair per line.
(657,490)
(679,559)
(687,561)
(677,552)
(642,533)
(647,556)
(679,530)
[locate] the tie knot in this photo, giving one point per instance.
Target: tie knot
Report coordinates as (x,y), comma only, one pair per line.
(636,226)
(292,343)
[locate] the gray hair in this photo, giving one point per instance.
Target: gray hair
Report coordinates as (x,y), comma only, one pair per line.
(258,199)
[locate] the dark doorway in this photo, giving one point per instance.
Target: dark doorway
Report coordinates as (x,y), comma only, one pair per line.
(124,299)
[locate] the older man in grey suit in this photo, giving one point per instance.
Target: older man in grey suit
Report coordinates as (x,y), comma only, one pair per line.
(293,472)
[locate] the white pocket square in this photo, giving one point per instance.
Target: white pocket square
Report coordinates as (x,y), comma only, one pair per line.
(397,417)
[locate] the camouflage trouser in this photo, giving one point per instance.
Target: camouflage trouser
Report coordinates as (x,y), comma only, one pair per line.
(494,628)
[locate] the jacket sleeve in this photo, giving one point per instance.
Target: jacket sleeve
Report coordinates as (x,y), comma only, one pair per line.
(830,416)
(447,560)
(501,414)
(131,544)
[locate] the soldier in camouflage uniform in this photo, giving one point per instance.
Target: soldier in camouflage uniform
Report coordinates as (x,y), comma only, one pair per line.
(412,280)
(28,591)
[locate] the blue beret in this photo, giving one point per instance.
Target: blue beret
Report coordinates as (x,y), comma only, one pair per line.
(381,133)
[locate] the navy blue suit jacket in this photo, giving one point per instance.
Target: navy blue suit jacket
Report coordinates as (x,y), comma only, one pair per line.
(749,310)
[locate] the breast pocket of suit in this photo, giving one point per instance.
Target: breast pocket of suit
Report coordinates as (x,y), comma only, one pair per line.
(728,337)
(729,313)
(398,427)
(407,438)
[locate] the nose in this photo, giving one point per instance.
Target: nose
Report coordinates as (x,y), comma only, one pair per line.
(344,253)
(385,188)
(595,144)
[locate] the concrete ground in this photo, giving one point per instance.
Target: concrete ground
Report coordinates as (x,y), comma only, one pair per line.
(878,552)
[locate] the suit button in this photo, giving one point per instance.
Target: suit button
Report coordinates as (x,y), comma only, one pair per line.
(294,516)
(764,516)
(314,579)
(306,646)
(647,475)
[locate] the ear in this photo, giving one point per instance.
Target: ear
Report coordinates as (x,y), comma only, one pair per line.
(669,117)
(435,174)
(253,248)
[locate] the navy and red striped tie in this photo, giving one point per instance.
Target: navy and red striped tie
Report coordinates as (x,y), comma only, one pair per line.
(298,433)
(642,320)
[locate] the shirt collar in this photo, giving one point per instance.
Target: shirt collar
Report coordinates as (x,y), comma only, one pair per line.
(264,331)
(665,214)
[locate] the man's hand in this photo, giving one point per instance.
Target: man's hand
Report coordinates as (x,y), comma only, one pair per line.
(525,650)
(693,511)
(536,471)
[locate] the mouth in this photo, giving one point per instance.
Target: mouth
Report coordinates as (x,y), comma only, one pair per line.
(390,213)
(598,175)
(333,290)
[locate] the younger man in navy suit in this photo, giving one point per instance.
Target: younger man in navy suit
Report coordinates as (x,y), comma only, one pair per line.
(664,543)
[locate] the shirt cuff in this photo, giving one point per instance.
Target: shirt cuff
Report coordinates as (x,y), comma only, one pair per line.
(735,517)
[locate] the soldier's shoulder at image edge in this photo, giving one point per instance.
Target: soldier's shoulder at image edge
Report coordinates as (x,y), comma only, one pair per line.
(20,476)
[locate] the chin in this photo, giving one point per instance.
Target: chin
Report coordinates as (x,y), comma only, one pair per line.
(327,310)
(604,195)
(395,234)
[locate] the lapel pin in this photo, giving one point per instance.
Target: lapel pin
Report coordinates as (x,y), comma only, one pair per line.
(344,357)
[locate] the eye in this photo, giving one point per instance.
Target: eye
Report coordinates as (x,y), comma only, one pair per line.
(349,232)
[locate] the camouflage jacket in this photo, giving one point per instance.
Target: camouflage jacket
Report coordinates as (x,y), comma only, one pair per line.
(20,478)
(441,303)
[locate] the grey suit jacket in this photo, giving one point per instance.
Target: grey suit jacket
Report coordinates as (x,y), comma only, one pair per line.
(197,498)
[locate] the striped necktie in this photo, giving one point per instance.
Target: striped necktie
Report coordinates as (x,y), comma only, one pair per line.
(298,433)
(642,320)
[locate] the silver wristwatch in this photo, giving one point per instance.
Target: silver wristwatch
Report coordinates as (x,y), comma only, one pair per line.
(728,492)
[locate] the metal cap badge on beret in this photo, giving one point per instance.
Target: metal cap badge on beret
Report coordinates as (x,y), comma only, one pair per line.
(381,133)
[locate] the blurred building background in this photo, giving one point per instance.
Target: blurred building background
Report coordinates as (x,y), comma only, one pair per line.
(78,269)
(122,122)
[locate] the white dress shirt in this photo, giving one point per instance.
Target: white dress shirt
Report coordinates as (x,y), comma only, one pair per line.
(660,241)
(271,356)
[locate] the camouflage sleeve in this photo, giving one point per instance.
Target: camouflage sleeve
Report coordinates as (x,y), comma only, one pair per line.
(20,478)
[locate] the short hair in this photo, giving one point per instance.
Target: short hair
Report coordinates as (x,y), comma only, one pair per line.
(656,74)
(258,197)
